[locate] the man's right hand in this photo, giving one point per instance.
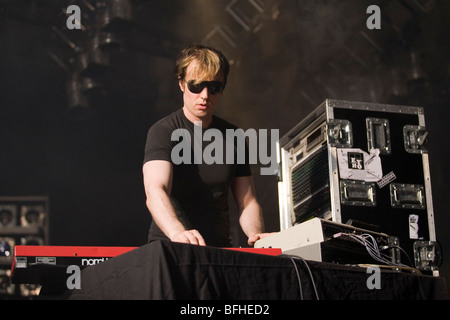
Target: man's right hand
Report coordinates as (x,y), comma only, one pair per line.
(189,236)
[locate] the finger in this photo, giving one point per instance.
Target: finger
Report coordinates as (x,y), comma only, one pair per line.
(190,236)
(251,241)
(199,237)
(181,238)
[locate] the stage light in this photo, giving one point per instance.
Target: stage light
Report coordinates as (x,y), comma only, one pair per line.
(30,290)
(6,247)
(6,287)
(32,216)
(109,42)
(93,62)
(8,216)
(115,16)
(31,241)
(93,88)
(23,221)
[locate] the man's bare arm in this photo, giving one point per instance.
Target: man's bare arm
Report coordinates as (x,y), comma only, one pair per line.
(158,183)
(251,217)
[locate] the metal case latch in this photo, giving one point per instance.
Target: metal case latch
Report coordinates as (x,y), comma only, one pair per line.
(339,133)
(427,255)
(415,138)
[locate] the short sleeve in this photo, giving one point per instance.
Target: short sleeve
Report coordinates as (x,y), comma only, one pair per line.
(158,145)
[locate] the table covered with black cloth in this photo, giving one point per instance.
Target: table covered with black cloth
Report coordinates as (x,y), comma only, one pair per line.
(163,270)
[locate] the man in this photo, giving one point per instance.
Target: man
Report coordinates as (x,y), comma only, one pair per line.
(188,202)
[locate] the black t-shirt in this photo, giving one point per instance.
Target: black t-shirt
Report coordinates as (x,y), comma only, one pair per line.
(200,185)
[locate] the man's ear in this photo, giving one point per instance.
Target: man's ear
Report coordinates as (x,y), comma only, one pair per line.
(181,84)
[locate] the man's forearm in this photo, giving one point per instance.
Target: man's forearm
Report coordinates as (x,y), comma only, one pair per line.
(251,219)
(164,215)
(163,212)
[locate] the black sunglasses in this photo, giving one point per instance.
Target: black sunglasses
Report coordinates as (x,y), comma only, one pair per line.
(214,87)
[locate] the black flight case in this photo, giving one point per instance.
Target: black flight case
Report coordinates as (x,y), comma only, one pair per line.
(364,164)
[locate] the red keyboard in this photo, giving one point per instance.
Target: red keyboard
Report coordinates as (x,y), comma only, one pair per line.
(25,259)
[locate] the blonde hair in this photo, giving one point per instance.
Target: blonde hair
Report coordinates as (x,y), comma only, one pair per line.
(210,62)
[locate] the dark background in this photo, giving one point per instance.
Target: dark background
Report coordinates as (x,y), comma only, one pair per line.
(287,56)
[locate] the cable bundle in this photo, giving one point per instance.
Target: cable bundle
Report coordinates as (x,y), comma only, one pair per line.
(369,242)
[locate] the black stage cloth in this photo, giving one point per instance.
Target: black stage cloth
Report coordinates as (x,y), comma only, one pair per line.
(162,270)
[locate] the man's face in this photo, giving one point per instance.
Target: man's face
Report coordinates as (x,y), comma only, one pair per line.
(198,106)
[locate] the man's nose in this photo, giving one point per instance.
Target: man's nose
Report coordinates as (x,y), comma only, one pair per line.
(204,94)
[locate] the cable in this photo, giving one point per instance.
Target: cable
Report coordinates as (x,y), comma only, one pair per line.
(369,242)
(292,258)
(401,249)
(298,278)
(312,279)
